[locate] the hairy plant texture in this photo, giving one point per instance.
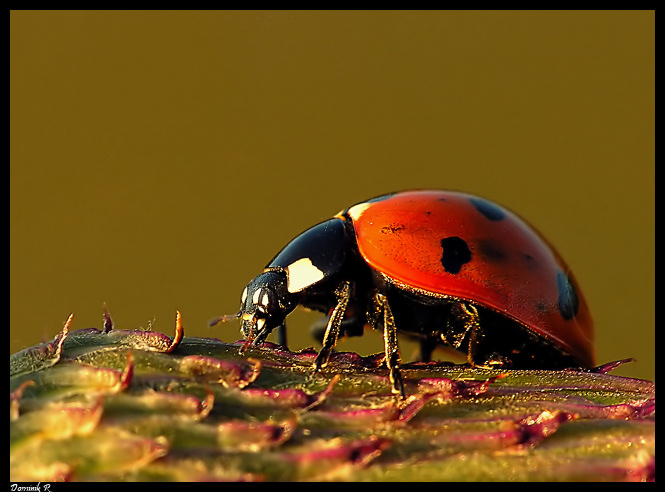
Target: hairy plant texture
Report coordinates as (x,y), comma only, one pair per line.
(138,405)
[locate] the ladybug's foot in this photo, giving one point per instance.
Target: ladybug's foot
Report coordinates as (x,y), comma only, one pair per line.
(397,382)
(488,365)
(343,294)
(495,361)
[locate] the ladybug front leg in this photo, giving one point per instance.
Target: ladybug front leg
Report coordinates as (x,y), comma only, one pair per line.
(343,294)
(392,356)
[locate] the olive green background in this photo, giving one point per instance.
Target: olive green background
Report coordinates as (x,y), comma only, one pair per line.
(158,160)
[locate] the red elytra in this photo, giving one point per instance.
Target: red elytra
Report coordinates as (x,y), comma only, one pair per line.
(510,268)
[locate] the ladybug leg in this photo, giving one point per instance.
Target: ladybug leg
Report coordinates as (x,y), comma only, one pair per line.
(463,322)
(460,325)
(466,326)
(352,325)
(343,294)
(467,315)
(392,356)
(427,346)
(281,335)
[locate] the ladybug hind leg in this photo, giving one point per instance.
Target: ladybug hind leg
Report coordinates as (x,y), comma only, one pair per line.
(466,326)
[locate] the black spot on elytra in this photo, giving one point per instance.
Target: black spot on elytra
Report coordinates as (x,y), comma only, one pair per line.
(541,307)
(455,254)
(488,209)
(530,262)
(569,303)
(491,251)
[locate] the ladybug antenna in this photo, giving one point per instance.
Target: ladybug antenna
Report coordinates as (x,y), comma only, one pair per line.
(224,318)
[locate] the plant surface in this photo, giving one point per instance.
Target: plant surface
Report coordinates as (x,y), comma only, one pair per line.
(129,405)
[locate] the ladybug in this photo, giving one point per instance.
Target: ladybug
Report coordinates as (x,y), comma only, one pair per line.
(445,267)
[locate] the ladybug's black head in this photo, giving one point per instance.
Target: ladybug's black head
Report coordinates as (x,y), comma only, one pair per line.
(266,302)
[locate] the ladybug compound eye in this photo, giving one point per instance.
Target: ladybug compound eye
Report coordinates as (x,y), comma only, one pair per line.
(265,300)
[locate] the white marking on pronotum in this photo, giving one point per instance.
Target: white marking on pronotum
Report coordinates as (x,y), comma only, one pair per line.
(357,210)
(301,274)
(243,298)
